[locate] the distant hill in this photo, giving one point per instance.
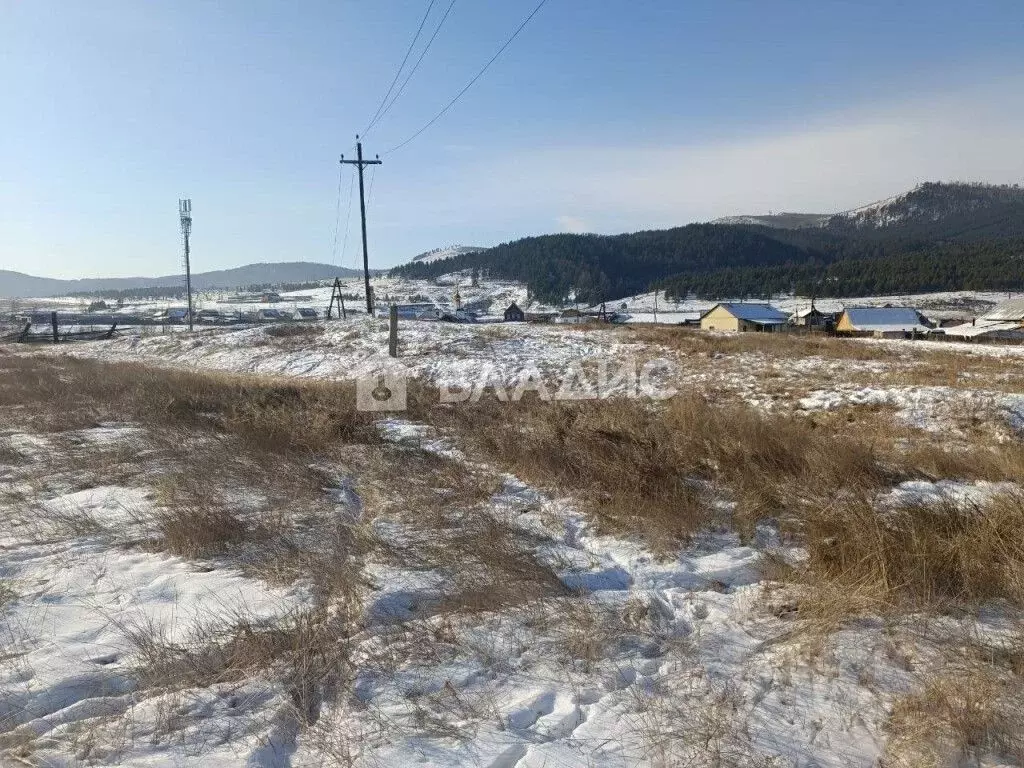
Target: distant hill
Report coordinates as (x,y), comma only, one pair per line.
(439,254)
(940,212)
(932,209)
(17,284)
(779,220)
(937,236)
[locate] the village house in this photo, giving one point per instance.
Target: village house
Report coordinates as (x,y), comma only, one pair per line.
(881,322)
(514,314)
(1005,322)
(742,317)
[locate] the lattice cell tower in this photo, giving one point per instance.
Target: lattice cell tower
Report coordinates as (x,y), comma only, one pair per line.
(185,213)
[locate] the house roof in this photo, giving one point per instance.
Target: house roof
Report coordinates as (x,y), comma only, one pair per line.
(1011,309)
(808,311)
(884,319)
(753,313)
(980,328)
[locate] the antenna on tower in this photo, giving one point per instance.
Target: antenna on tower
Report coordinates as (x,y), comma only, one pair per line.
(185,213)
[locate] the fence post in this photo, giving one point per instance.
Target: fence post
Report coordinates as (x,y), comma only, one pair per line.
(53,324)
(393,331)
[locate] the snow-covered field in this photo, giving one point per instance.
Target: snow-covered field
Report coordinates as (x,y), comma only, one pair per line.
(492,622)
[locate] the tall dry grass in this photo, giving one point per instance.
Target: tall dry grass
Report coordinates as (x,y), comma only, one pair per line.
(660,472)
(656,472)
(311,650)
(920,556)
(282,415)
(969,714)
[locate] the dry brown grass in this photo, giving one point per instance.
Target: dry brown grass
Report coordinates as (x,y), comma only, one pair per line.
(228,460)
(199,531)
(962,716)
(281,415)
(655,471)
(924,556)
(932,459)
(310,650)
(783,345)
(652,471)
(701,724)
(301,330)
(443,506)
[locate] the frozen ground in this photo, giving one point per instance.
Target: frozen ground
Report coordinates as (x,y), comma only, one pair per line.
(439,352)
(79,609)
(629,658)
(916,378)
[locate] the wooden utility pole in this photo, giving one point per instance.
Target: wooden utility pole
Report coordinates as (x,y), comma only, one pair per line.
(360,164)
(393,331)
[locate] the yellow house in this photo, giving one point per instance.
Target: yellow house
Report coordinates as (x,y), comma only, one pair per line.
(756,318)
(881,322)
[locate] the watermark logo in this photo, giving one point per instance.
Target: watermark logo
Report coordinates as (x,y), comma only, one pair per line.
(598,379)
(595,379)
(381,392)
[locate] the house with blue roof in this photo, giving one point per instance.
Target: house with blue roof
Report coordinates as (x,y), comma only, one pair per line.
(743,317)
(881,322)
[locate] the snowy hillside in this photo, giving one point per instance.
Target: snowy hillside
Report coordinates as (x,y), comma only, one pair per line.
(439,254)
(931,202)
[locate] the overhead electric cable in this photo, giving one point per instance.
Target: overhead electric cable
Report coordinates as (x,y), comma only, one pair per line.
(369,192)
(405,59)
(337,217)
(419,61)
(348,218)
(470,84)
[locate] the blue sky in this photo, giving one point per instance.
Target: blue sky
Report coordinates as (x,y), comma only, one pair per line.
(603,116)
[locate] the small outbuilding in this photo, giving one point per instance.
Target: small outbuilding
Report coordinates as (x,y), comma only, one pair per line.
(514,314)
(812,317)
(743,317)
(881,322)
(574,317)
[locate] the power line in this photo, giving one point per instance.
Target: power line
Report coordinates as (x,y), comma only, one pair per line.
(423,53)
(348,219)
(470,84)
(405,59)
(337,216)
(369,192)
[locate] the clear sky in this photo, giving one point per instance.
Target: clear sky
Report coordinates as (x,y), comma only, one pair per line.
(603,116)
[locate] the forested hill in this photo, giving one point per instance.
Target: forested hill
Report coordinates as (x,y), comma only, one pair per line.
(617,265)
(935,237)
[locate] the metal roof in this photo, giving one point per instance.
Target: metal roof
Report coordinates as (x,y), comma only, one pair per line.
(884,318)
(754,313)
(980,328)
(1011,309)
